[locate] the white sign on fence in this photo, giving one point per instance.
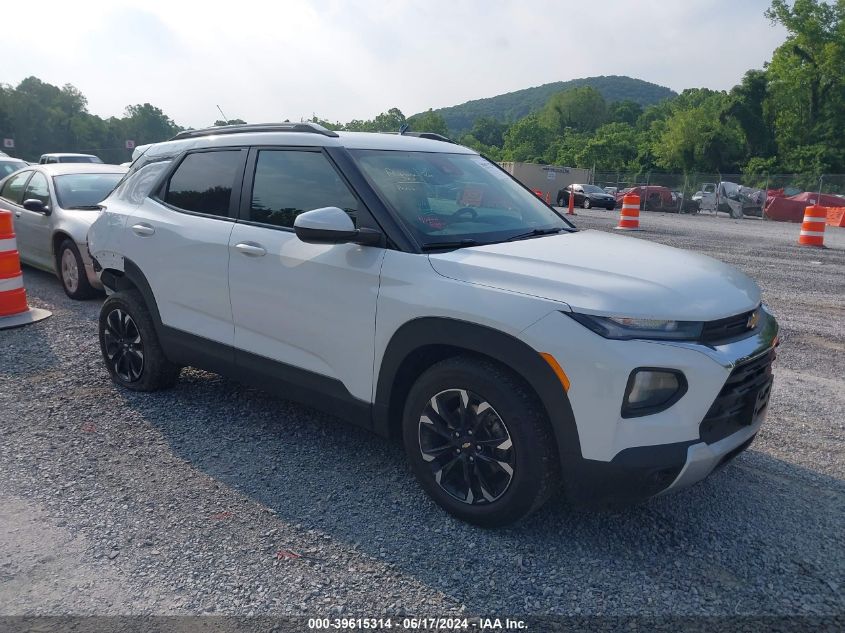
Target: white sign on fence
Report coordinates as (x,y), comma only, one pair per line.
(9,143)
(130,144)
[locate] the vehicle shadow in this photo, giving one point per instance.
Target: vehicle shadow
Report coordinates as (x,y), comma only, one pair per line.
(29,350)
(756,537)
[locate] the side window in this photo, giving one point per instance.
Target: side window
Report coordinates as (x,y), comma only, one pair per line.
(289,182)
(139,182)
(203,182)
(13,189)
(38,189)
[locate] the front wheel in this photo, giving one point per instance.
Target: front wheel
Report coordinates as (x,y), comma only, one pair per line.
(72,272)
(479,442)
(130,346)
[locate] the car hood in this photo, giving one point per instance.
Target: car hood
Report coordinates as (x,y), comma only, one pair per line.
(601,273)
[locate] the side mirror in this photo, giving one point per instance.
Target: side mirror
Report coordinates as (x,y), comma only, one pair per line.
(37,206)
(331,225)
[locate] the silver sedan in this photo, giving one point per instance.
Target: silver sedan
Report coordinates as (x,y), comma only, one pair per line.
(54,206)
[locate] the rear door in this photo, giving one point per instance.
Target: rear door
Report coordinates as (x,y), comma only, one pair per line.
(304,312)
(179,238)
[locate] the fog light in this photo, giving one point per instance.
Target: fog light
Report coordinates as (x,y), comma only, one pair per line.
(651,390)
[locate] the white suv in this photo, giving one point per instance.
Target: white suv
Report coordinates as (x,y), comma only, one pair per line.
(415,288)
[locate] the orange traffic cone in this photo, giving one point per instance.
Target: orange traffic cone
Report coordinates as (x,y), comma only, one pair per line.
(14,310)
(571,210)
(812,229)
(629,215)
(548,198)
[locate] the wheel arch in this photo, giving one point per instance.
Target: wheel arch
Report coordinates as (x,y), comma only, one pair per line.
(420,343)
(58,237)
(131,278)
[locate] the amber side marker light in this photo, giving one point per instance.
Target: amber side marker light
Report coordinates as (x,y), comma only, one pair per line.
(561,375)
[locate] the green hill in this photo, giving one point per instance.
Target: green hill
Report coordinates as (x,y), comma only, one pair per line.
(515,105)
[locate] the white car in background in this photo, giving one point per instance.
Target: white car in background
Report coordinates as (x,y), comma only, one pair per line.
(49,159)
(53,206)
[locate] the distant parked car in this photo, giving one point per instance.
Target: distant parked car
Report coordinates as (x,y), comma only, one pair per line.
(585,196)
(611,190)
(48,159)
(54,205)
(9,165)
(652,198)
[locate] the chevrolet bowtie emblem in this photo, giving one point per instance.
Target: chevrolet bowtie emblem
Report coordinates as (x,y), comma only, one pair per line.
(753,319)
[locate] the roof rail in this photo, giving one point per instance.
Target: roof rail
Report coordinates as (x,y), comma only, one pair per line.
(429,135)
(307,127)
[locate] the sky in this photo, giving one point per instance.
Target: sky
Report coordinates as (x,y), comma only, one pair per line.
(270,61)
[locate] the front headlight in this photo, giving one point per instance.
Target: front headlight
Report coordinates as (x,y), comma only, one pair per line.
(623,328)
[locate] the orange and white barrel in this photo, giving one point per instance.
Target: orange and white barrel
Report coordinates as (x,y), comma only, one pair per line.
(14,310)
(812,228)
(629,215)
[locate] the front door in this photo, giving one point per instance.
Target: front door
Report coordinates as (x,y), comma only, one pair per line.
(35,243)
(308,309)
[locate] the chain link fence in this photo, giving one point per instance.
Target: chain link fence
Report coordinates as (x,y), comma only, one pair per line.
(771,196)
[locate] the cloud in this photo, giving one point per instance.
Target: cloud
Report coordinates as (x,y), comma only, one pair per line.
(343,60)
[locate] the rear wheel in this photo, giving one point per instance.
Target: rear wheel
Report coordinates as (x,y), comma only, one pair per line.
(587,202)
(72,272)
(130,346)
(479,442)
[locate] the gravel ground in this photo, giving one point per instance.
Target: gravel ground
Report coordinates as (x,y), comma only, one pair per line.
(217,498)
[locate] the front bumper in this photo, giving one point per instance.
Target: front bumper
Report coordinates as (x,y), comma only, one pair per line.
(88,263)
(637,474)
(629,460)
(702,458)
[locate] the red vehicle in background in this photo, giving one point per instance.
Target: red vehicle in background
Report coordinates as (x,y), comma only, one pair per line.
(652,198)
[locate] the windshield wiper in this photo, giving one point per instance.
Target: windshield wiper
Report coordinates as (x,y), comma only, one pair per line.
(430,246)
(534,233)
(85,207)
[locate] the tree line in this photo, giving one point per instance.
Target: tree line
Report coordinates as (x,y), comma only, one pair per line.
(40,118)
(788,117)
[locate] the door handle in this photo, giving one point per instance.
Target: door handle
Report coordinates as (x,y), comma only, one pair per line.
(143,229)
(251,249)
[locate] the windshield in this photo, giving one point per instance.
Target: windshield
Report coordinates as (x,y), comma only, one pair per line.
(76,191)
(593,189)
(455,198)
(10,166)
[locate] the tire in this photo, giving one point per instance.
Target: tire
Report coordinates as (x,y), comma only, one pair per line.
(517,437)
(587,203)
(71,272)
(130,346)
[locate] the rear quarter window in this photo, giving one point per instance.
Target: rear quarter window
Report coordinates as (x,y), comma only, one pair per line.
(203,182)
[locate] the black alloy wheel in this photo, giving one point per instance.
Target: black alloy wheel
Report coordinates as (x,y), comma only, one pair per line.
(123,347)
(467,446)
(479,441)
(130,346)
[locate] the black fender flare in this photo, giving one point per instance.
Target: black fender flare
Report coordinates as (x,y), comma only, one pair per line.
(486,341)
(132,278)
